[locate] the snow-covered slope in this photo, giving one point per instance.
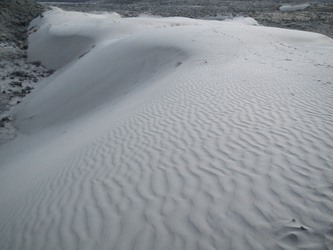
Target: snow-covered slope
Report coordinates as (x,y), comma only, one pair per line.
(171,133)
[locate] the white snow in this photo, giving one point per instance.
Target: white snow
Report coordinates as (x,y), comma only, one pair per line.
(171,133)
(294,7)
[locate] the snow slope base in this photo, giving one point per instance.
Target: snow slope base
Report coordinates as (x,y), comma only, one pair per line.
(171,133)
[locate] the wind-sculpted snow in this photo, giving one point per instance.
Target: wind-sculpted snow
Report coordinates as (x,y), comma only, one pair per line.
(224,142)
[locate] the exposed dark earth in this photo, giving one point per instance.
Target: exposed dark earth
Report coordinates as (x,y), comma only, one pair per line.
(17,76)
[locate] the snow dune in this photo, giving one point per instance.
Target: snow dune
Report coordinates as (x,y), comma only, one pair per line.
(171,133)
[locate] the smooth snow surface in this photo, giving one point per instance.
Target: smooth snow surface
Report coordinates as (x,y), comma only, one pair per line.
(296,7)
(171,133)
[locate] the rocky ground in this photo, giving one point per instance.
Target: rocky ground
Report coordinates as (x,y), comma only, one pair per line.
(17,79)
(17,76)
(15,16)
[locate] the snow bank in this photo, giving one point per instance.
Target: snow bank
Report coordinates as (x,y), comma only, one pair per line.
(171,133)
(244,20)
(296,7)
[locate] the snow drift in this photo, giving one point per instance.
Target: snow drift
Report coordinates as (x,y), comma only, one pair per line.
(295,7)
(171,133)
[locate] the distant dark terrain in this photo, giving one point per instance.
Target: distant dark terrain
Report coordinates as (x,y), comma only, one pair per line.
(318,17)
(15,16)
